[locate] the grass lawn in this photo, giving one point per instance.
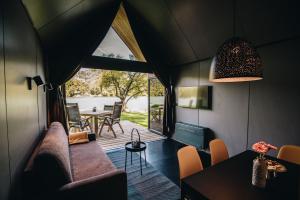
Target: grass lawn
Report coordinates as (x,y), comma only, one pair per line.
(135,117)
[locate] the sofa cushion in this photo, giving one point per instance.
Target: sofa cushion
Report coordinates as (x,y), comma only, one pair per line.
(88,160)
(52,163)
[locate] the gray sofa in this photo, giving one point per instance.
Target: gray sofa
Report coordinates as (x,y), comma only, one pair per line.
(57,170)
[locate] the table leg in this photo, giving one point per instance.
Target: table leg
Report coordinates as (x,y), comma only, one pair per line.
(159,115)
(125,160)
(96,124)
(131,157)
(145,158)
(141,163)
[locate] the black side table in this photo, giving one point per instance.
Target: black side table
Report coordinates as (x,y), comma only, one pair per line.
(130,148)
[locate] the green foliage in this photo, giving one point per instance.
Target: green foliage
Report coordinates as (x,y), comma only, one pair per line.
(95,91)
(76,87)
(156,88)
(135,117)
(125,85)
(87,74)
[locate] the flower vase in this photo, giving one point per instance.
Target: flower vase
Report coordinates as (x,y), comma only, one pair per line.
(259,172)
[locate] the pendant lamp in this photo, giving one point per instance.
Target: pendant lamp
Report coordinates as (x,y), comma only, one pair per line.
(236,61)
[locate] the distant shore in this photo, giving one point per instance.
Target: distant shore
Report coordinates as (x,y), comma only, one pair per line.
(139,104)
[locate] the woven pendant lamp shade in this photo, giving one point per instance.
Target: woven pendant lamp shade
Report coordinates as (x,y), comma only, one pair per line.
(236,61)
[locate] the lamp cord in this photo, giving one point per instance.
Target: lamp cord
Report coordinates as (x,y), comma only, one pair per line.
(248,116)
(234,18)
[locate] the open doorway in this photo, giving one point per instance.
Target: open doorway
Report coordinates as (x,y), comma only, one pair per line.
(115,75)
(98,89)
(94,93)
(155,104)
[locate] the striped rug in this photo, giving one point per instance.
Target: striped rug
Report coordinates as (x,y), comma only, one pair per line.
(108,142)
(152,185)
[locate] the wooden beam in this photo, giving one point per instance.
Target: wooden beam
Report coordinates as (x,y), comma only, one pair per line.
(97,62)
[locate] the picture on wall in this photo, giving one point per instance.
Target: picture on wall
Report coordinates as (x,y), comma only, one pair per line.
(195,97)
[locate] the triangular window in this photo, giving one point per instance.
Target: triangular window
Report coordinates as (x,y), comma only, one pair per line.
(119,41)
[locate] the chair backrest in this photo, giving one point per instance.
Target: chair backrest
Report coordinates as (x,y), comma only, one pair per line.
(117,110)
(290,153)
(73,112)
(189,161)
(108,107)
(218,151)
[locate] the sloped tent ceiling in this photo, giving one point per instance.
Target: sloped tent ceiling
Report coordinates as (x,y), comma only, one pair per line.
(70,30)
(174,32)
(157,33)
(169,32)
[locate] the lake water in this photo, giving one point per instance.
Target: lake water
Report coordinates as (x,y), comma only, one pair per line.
(139,104)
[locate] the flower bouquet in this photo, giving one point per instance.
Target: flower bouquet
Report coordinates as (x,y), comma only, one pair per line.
(260,170)
(262,148)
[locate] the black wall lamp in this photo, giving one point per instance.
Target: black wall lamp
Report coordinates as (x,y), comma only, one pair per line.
(39,82)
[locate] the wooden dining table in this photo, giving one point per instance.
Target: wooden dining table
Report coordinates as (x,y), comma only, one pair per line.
(231,180)
(95,115)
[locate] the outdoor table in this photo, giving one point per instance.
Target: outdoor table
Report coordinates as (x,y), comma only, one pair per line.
(95,115)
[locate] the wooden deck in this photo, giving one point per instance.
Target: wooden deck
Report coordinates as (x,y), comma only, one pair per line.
(109,142)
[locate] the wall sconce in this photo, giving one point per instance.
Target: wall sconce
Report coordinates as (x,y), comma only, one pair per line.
(37,79)
(39,82)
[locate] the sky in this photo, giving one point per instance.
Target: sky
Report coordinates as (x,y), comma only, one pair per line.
(112,43)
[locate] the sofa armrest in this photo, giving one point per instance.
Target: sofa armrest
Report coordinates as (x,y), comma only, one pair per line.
(112,185)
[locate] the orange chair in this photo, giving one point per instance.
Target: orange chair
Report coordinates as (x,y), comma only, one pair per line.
(290,153)
(218,151)
(189,161)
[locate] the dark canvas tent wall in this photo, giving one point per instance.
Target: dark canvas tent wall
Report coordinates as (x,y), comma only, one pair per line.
(176,32)
(170,33)
(69,32)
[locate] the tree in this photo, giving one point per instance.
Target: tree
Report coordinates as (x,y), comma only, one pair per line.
(126,85)
(156,88)
(95,91)
(76,87)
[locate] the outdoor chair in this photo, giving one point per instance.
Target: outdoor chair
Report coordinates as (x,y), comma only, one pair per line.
(108,107)
(156,112)
(113,119)
(74,119)
(105,108)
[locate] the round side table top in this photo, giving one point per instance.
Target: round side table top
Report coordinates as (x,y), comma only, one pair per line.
(129,147)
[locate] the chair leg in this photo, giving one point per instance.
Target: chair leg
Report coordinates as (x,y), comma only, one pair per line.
(90,127)
(110,126)
(120,127)
(102,125)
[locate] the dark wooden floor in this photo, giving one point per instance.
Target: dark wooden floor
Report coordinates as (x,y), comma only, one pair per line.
(162,155)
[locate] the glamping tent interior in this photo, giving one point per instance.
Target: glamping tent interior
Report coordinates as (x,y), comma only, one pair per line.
(230,76)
